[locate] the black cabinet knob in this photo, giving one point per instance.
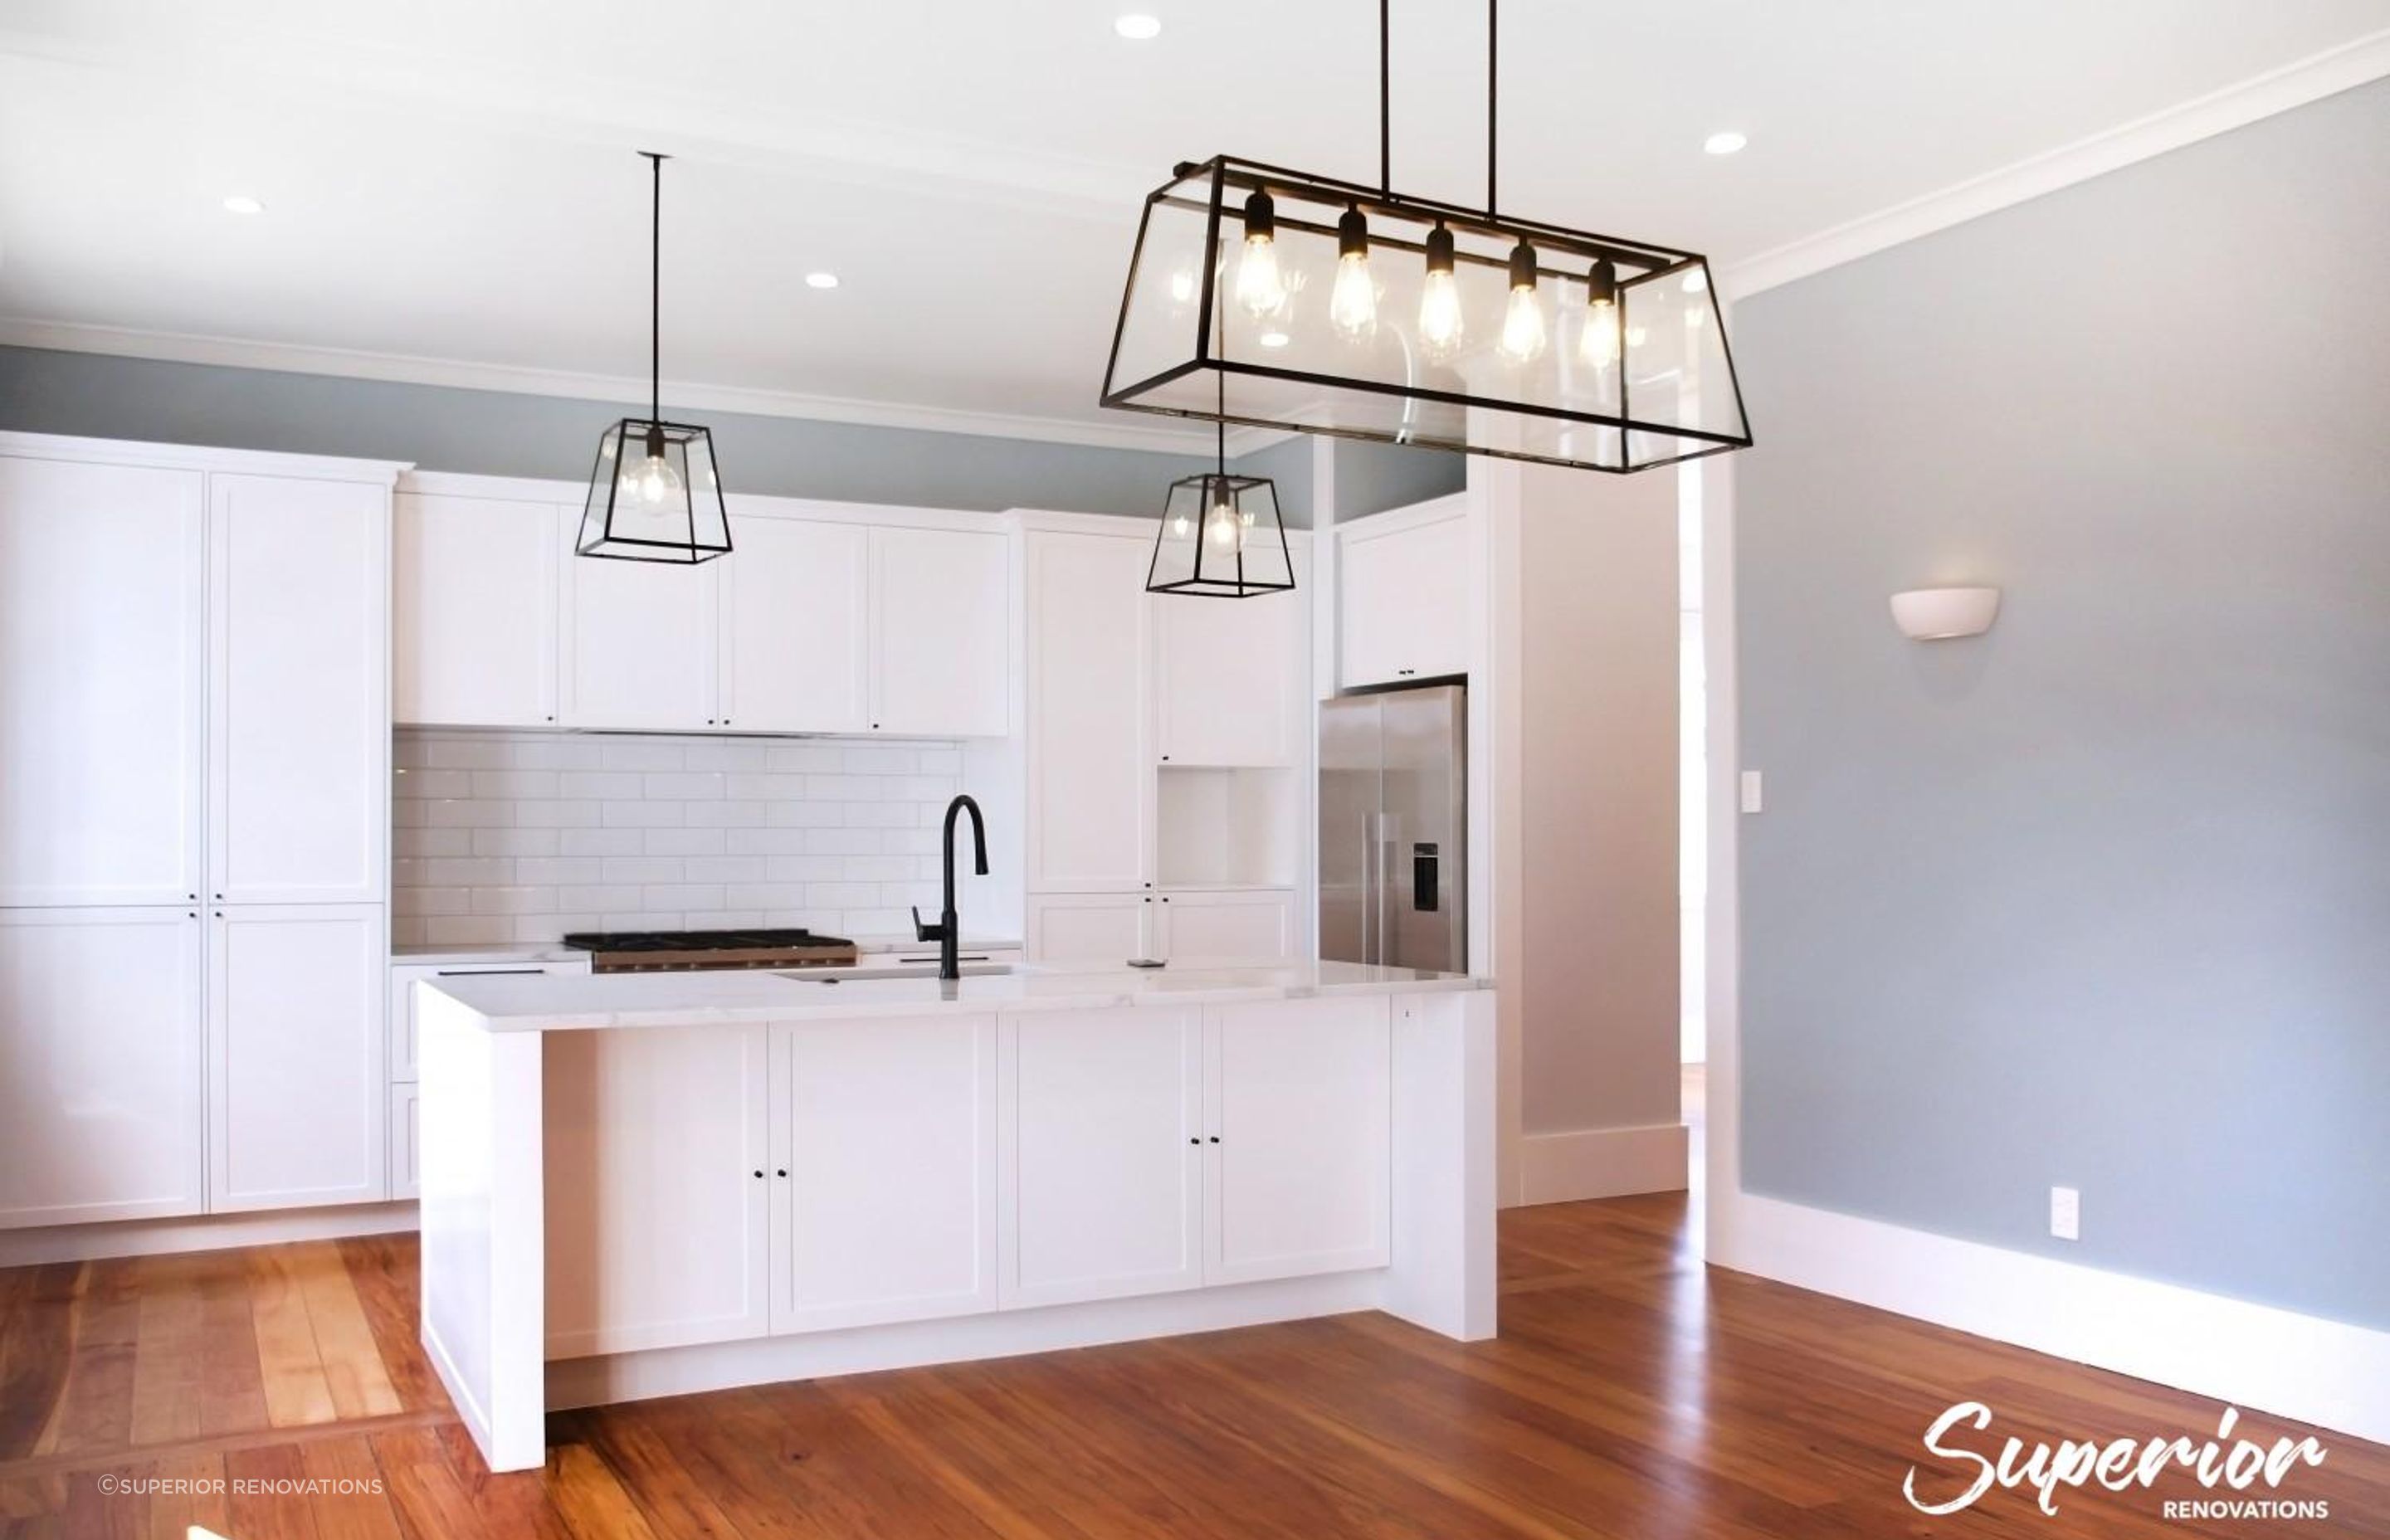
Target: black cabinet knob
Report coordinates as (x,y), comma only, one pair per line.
(759,1176)
(777,1172)
(1195,1141)
(1215,1139)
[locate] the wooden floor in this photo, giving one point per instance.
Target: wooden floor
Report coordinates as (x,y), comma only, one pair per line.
(1631,1394)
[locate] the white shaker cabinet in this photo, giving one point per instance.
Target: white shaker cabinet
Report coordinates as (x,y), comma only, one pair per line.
(941,630)
(1232,926)
(1101,1125)
(100,1080)
(794,643)
(1102,929)
(886,1133)
(296,1094)
(658,1228)
(101,670)
(1090,776)
(1402,597)
(1229,681)
(1298,1094)
(299,697)
(473,611)
(638,641)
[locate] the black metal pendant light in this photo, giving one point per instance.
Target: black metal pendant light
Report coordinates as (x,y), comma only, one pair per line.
(1449,326)
(655,494)
(1221,536)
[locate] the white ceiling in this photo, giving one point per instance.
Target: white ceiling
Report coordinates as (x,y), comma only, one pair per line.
(452,180)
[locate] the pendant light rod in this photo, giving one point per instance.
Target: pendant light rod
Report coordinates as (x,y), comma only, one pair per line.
(1386,105)
(1493,52)
(656,288)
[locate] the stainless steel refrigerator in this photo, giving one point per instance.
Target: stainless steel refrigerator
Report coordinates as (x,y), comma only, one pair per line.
(1393,800)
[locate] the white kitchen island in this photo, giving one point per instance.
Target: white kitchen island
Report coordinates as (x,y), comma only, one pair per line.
(640,1185)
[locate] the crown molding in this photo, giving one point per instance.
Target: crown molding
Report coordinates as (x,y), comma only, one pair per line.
(2311,78)
(456,374)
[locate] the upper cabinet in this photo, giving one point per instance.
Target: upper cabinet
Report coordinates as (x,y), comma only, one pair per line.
(299,696)
(794,648)
(1402,597)
(473,596)
(638,641)
(102,565)
(1229,681)
(1091,783)
(940,626)
(846,622)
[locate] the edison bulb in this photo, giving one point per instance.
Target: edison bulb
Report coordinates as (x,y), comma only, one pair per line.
(1261,289)
(1522,326)
(1224,529)
(1353,305)
(653,481)
(1182,286)
(1598,343)
(1439,318)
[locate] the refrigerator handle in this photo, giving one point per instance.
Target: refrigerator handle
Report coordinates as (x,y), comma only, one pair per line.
(1368,885)
(1381,863)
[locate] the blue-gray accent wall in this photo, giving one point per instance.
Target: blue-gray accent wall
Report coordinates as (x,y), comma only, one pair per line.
(2101,899)
(504,434)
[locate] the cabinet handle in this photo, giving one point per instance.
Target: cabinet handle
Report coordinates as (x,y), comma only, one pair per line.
(490,972)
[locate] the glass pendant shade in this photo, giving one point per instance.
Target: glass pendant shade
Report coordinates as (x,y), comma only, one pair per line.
(1461,350)
(1221,538)
(655,496)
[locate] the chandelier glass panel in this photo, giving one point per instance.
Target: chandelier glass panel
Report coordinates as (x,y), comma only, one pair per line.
(1279,298)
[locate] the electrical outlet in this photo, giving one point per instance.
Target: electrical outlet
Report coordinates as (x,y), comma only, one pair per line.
(1752,800)
(2066,1213)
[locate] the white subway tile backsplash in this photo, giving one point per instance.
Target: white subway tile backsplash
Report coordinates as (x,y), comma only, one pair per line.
(526,836)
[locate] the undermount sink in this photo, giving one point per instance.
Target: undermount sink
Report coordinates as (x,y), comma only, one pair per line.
(918,970)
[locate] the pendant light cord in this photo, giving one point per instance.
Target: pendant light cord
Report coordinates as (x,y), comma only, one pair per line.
(656,289)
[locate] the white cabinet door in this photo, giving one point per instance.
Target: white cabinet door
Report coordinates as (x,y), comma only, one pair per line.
(101,1041)
(406,1166)
(1243,926)
(1102,1128)
(1098,930)
(299,706)
(1402,603)
(941,630)
(886,1129)
(794,652)
(297,1093)
(473,595)
(1298,1092)
(1230,678)
(1091,785)
(658,1193)
(101,578)
(638,641)
(403,978)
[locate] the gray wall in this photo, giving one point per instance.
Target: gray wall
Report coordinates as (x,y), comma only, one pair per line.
(2102,899)
(500,433)
(1371,478)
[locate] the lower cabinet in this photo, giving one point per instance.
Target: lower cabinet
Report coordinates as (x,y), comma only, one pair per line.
(297,1093)
(658,1194)
(400,1035)
(886,1129)
(1299,1095)
(101,1032)
(1100,929)
(708,1183)
(1101,1125)
(405,1156)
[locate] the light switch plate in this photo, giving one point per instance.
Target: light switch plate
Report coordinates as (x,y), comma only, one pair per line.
(2066,1213)
(1752,800)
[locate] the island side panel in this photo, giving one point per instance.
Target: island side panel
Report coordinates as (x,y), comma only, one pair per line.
(483,1263)
(1443,1272)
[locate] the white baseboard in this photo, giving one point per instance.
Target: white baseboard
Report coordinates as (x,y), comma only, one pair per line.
(956,1340)
(141,1238)
(2255,1356)
(1602,1163)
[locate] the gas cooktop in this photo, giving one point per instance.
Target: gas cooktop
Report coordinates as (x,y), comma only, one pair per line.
(663,951)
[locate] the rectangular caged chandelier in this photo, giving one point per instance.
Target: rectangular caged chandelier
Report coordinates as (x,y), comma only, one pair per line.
(1281,299)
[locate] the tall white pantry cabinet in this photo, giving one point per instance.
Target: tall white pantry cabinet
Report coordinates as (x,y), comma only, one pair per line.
(194,829)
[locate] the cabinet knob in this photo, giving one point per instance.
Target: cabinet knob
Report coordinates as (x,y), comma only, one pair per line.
(1195,1141)
(759,1175)
(779,1173)
(1215,1139)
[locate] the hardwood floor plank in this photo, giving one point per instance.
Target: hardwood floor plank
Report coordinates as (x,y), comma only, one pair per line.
(351,1501)
(383,1269)
(36,1346)
(94,1407)
(232,1386)
(262,1507)
(168,1365)
(290,1370)
(344,1340)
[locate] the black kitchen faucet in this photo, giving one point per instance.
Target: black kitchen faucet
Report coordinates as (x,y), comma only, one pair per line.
(947,932)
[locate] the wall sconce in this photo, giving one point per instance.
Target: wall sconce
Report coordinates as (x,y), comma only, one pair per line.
(1939,615)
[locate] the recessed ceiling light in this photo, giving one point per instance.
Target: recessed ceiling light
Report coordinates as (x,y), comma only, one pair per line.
(1138,27)
(821,280)
(241,203)
(1724,144)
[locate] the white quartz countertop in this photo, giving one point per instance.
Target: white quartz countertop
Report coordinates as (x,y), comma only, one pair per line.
(582,1002)
(495,954)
